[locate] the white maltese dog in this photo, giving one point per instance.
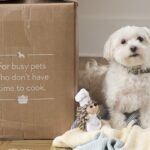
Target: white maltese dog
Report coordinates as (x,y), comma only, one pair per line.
(127,81)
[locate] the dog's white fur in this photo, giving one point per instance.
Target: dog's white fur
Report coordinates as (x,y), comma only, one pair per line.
(124,91)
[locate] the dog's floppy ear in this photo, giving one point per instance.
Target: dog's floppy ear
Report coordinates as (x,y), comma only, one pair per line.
(147,32)
(108,50)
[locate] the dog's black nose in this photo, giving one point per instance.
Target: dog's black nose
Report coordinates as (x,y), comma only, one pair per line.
(95,104)
(133,48)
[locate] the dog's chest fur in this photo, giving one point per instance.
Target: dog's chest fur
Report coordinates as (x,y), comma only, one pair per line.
(125,91)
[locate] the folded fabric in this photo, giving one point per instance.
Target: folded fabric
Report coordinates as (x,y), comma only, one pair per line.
(133,137)
(138,139)
(102,143)
(74,138)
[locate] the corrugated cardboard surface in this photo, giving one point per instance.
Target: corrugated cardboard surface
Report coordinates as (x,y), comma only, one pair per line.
(37,66)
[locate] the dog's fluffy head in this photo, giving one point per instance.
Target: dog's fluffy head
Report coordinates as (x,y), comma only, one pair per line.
(129,46)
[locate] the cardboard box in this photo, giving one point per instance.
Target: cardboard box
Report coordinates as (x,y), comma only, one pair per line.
(37,69)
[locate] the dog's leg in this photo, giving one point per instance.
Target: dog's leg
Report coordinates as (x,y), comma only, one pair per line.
(145,117)
(118,120)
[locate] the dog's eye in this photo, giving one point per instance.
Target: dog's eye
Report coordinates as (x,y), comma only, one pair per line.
(91,106)
(141,39)
(123,41)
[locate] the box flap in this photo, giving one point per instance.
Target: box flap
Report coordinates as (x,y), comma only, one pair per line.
(75,1)
(72,0)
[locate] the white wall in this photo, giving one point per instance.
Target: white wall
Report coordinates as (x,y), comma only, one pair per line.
(99,18)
